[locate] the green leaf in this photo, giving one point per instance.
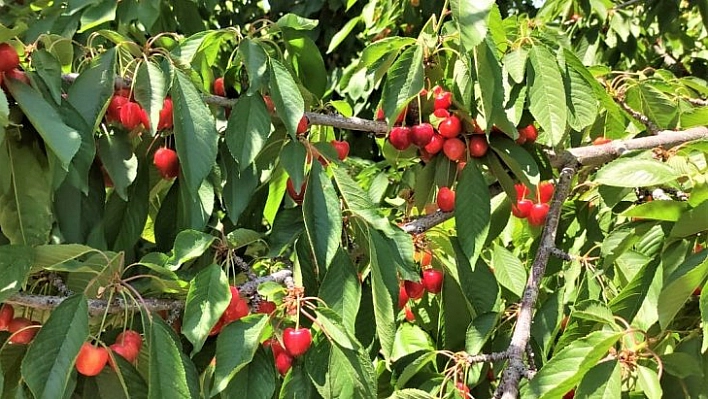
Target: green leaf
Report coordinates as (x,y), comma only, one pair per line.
(340,373)
(515,63)
(648,382)
(679,287)
(239,187)
(125,219)
(509,271)
(414,367)
(97,14)
(479,331)
(703,306)
(307,61)
(323,217)
(93,88)
(150,91)
(568,366)
(63,140)
(651,102)
(629,172)
(339,37)
(669,211)
(411,393)
(383,47)
(189,245)
(517,159)
(409,340)
(167,372)
(297,385)
(489,75)
(471,20)
(341,289)
(207,298)
(49,71)
(547,101)
(49,362)
(26,209)
(602,381)
(235,347)
(195,133)
(248,129)
(682,365)
(121,164)
(403,82)
(294,21)
(385,290)
(627,303)
(691,222)
(255,381)
(286,96)
(478,283)
(472,221)
(580,100)
(15,264)
(255,59)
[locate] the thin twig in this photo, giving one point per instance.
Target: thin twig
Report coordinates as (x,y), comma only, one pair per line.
(425,223)
(643,119)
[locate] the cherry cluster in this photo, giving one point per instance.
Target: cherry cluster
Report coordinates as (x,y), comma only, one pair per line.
(431,280)
(235,310)
(22,329)
(93,358)
(526,208)
(296,342)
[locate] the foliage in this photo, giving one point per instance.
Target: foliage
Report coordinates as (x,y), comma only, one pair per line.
(86,217)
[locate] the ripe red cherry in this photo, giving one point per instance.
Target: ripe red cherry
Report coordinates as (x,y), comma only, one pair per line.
(130,338)
(128,352)
(266,307)
(18,75)
(538,213)
(522,209)
(296,196)
(217,327)
(432,280)
(570,394)
(450,127)
(424,257)
(435,145)
(422,134)
(441,113)
(545,191)
(529,133)
(167,162)
(297,342)
(26,335)
(443,100)
(400,138)
(283,362)
(446,199)
(380,115)
(697,291)
(237,307)
(402,296)
(454,149)
(409,314)
(6,315)
(219,88)
(601,140)
(302,125)
(463,389)
(521,190)
(91,359)
(269,104)
(165,121)
(342,148)
(113,111)
(9,59)
(131,115)
(414,290)
(478,146)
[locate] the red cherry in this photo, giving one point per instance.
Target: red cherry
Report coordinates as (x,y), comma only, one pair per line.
(165,121)
(461,166)
(697,291)
(217,327)
(545,191)
(167,162)
(296,196)
(269,104)
(413,289)
(432,280)
(522,209)
(302,125)
(463,389)
(128,352)
(21,331)
(144,118)
(422,134)
(283,362)
(342,148)
(424,257)
(435,145)
(570,394)
(274,346)
(402,296)
(9,59)
(266,307)
(130,338)
(601,140)
(380,115)
(538,213)
(401,116)
(297,342)
(237,307)
(409,314)
(446,199)
(219,88)
(443,100)
(521,190)
(131,115)
(91,359)
(529,133)
(478,146)
(425,156)
(450,127)
(454,149)
(441,113)
(113,111)
(6,315)
(698,248)
(18,75)
(400,137)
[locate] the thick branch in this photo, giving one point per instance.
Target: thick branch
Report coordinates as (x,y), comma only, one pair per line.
(599,154)
(427,222)
(509,388)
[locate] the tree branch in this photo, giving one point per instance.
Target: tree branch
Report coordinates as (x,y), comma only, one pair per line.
(643,119)
(427,222)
